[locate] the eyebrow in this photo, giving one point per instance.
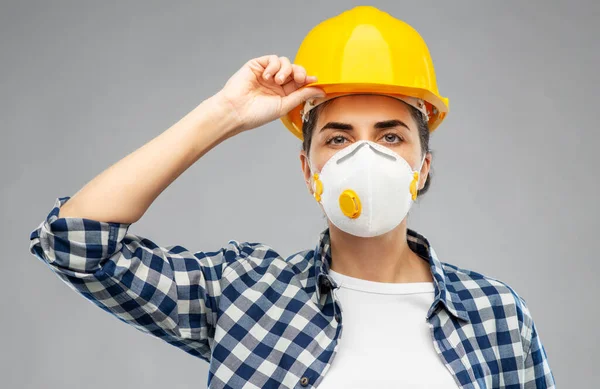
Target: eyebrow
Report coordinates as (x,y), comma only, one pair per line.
(379,125)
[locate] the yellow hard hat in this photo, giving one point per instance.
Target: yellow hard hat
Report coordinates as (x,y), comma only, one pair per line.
(365,50)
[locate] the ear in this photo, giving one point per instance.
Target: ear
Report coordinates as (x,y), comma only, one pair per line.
(306,171)
(425,170)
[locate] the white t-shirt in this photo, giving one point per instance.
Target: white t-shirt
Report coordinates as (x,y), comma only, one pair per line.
(386,341)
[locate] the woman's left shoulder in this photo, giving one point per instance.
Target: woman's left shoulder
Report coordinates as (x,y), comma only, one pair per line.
(483,292)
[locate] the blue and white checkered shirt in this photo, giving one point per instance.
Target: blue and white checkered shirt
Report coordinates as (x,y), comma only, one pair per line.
(265,321)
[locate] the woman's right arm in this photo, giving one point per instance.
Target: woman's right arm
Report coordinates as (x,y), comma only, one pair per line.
(169,292)
(124,191)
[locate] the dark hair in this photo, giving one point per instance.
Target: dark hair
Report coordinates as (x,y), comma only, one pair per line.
(313,115)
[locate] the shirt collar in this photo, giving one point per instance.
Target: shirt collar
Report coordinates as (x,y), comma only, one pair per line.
(444,290)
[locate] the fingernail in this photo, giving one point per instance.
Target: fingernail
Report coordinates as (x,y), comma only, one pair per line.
(267,76)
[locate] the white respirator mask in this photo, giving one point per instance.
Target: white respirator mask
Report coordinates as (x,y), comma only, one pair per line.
(366,189)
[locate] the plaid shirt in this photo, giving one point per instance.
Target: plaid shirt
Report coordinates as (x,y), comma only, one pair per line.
(265,321)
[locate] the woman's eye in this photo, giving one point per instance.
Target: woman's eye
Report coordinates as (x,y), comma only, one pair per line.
(337,140)
(392,138)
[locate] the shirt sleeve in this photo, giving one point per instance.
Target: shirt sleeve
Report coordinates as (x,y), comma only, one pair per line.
(167,292)
(537,372)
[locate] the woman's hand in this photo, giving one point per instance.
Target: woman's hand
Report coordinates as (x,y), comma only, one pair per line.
(265,89)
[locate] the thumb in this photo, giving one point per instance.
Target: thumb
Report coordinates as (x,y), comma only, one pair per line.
(298,97)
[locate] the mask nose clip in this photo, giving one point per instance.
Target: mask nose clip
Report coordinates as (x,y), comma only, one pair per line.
(371,147)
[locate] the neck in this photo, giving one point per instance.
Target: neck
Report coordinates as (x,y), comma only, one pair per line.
(383,258)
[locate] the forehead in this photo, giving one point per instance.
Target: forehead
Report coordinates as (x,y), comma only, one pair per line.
(364,107)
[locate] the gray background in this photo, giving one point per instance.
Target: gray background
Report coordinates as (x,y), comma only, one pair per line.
(84,83)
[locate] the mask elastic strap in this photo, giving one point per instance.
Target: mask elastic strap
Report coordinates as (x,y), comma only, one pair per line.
(312,170)
(422,162)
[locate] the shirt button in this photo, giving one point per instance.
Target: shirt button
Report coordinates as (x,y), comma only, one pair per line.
(337,317)
(304,381)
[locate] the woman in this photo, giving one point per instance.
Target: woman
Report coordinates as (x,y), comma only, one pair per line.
(262,320)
